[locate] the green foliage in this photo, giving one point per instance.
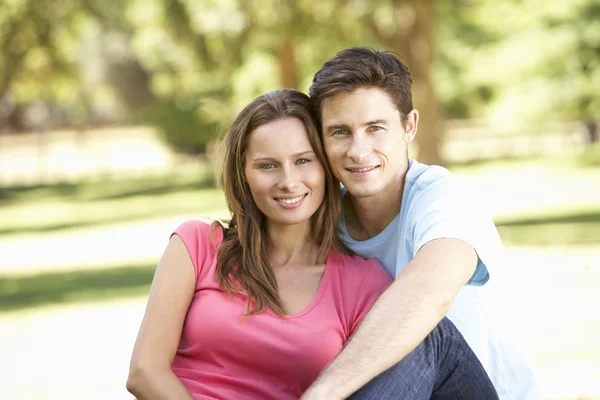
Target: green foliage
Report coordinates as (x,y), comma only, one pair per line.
(184,125)
(40,43)
(541,63)
(461,33)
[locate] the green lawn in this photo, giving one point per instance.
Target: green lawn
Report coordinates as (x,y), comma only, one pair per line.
(532,201)
(54,288)
(57,208)
(542,202)
(547,212)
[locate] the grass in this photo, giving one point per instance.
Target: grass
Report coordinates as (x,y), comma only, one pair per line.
(19,292)
(43,211)
(536,201)
(39,209)
(550,208)
(552,230)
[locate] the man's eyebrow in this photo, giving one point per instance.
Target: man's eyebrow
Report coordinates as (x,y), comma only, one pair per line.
(337,126)
(375,122)
(344,126)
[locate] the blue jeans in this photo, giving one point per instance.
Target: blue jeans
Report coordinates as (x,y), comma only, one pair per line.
(443,366)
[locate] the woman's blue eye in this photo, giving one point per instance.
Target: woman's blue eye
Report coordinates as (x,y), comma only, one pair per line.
(267,166)
(302,161)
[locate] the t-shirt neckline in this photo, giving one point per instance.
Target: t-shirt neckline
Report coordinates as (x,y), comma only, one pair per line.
(318,296)
(389,229)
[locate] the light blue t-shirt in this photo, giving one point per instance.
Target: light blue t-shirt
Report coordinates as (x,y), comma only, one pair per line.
(435,206)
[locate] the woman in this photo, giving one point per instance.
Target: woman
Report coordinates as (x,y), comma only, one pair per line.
(256,310)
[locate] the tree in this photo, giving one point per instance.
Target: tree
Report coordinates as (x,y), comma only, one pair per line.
(540,66)
(36,64)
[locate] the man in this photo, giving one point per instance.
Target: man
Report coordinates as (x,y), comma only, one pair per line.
(414,218)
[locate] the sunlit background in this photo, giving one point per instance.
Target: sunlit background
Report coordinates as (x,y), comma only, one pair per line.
(109,115)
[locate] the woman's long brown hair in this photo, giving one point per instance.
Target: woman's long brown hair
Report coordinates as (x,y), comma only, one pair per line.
(242,257)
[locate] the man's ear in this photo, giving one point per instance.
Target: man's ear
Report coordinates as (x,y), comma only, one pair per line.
(412,123)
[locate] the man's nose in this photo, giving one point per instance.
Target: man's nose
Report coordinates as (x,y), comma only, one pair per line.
(358,150)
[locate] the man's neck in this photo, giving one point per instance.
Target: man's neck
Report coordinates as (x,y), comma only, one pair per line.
(367,217)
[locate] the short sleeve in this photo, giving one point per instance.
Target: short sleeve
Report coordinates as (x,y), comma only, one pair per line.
(375,281)
(446,210)
(201,240)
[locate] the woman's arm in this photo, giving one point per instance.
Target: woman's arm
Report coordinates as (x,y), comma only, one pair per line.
(173,286)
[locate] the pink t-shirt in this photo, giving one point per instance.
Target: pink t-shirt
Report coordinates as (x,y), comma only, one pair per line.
(266,357)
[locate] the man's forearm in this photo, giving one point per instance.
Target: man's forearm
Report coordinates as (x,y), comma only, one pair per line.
(397,323)
(375,346)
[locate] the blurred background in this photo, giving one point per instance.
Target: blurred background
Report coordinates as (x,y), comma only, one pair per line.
(109,115)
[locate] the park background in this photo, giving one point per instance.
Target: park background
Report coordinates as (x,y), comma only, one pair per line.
(109,115)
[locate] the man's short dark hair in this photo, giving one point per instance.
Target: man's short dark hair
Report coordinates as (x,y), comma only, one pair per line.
(361,67)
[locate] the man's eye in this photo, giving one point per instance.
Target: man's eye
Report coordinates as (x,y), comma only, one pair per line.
(341,132)
(375,128)
(267,166)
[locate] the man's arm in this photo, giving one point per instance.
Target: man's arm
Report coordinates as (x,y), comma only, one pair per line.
(400,319)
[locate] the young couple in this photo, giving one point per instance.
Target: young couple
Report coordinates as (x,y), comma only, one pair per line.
(280,303)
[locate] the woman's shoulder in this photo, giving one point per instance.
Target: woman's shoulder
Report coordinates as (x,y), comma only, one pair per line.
(356,261)
(359,281)
(201,240)
(200,230)
(352,265)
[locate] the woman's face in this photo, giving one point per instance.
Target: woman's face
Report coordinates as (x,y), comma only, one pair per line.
(285,176)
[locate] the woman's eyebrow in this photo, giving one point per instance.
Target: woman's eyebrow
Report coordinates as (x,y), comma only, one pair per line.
(259,158)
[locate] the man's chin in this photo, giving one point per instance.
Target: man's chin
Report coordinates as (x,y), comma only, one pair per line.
(361,192)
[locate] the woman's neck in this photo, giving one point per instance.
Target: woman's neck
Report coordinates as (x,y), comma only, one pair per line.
(291,244)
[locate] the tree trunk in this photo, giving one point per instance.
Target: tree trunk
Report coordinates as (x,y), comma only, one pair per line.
(592,131)
(132,84)
(428,136)
(421,52)
(287,63)
(413,39)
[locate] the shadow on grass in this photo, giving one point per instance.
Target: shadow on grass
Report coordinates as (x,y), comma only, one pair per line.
(591,217)
(106,190)
(116,195)
(95,223)
(96,285)
(32,191)
(478,162)
(66,287)
(587,157)
(571,229)
(206,182)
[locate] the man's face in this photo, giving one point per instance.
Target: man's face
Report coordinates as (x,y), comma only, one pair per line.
(366,142)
